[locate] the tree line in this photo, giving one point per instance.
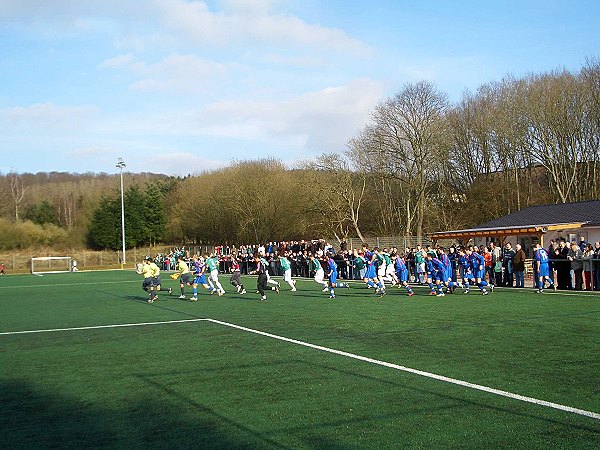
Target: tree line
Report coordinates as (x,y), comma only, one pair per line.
(420,165)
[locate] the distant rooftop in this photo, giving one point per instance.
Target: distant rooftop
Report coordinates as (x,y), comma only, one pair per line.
(578,212)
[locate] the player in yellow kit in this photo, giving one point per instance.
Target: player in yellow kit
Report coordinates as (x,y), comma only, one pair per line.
(184,275)
(151,283)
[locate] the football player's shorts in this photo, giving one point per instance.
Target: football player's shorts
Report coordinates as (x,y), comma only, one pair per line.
(333,277)
(319,275)
(544,270)
(478,274)
(156,280)
(200,279)
(185,278)
(147,283)
(402,275)
(437,275)
(370,272)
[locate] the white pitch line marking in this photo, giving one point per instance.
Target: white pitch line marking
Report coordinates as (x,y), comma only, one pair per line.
(72,284)
(422,373)
(97,327)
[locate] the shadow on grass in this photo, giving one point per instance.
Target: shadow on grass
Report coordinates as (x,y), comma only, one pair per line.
(458,401)
(34,419)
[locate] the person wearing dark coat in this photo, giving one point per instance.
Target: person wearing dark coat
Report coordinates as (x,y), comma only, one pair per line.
(519,266)
(562,266)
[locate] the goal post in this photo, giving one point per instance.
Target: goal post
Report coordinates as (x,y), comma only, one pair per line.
(50,264)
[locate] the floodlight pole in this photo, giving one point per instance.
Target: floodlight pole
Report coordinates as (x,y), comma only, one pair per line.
(120,165)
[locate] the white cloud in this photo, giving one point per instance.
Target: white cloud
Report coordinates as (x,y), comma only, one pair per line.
(317,121)
(47,115)
(247,7)
(183,163)
(118,61)
(176,73)
(243,22)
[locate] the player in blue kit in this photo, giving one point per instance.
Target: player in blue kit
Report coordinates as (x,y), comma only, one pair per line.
(430,271)
(542,266)
(402,273)
(443,257)
(438,273)
(371,273)
(332,273)
(465,269)
(478,269)
(198,269)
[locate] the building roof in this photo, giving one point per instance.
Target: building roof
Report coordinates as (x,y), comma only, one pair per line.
(578,212)
(535,220)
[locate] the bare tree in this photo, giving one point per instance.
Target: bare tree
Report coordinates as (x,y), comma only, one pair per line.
(405,141)
(342,193)
(18,190)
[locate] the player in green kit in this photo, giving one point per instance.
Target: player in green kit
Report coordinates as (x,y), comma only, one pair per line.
(287,271)
(213,267)
(315,265)
(390,270)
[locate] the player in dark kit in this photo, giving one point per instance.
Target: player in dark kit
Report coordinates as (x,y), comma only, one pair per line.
(236,279)
(261,282)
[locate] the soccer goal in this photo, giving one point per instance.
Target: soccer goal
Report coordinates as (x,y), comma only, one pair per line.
(50,264)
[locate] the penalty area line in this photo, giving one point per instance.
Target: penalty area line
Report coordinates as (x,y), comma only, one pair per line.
(98,327)
(422,373)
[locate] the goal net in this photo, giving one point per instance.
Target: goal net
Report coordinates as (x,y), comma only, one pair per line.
(50,264)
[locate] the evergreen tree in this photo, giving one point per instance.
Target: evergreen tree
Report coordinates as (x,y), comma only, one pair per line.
(156,219)
(41,213)
(104,230)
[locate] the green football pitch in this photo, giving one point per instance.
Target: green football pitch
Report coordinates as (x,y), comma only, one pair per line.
(86,362)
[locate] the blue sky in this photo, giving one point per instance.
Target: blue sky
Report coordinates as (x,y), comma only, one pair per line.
(178,87)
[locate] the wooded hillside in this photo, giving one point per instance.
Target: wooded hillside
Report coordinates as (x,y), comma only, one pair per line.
(420,165)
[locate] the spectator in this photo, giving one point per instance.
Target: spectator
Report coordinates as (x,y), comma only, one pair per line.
(587,257)
(574,256)
(552,249)
(453,257)
(508,256)
(498,272)
(596,267)
(582,243)
(420,265)
(563,266)
(489,268)
(519,266)
(341,263)
(2,267)
(409,255)
(496,257)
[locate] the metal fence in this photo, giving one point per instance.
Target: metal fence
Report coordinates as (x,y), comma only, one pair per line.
(86,259)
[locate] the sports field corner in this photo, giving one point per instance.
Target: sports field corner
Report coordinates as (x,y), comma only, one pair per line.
(87,362)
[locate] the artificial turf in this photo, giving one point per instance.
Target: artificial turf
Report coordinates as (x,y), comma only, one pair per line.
(199,384)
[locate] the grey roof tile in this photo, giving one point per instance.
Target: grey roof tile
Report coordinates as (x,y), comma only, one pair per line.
(588,211)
